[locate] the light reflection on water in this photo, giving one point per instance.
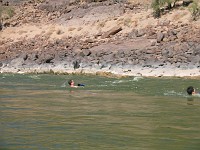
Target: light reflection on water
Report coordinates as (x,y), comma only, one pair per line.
(43,115)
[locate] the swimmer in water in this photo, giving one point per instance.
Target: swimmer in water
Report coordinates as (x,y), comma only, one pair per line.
(71,84)
(191,91)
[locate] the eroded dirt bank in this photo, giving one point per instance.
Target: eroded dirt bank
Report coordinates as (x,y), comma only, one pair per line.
(120,38)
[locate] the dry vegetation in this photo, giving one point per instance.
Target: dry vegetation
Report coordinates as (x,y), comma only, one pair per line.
(145,2)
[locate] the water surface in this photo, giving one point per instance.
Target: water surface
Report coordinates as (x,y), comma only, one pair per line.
(41,112)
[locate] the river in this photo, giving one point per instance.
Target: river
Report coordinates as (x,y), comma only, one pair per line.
(41,112)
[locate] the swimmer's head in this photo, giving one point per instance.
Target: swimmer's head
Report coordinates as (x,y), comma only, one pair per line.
(71,82)
(190,90)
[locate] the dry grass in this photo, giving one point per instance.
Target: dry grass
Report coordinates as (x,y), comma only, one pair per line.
(59,32)
(178,16)
(22,32)
(71,29)
(102,24)
(127,22)
(50,31)
(145,2)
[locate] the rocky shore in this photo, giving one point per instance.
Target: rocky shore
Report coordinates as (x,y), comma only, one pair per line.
(106,37)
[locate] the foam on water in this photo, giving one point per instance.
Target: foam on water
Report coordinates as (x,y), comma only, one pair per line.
(137,78)
(174,93)
(35,77)
(197,95)
(64,84)
(126,81)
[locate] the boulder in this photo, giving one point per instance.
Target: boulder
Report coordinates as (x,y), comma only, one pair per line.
(112,31)
(17,62)
(85,52)
(160,37)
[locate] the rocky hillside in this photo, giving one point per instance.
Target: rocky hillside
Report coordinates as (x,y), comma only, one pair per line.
(119,37)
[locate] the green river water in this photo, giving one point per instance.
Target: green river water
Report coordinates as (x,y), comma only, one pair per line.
(40,112)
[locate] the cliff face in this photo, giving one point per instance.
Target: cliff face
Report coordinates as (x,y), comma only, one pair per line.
(107,36)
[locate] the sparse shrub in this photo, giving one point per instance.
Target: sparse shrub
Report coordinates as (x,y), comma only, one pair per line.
(101,24)
(90,1)
(127,22)
(7,11)
(1,26)
(10,12)
(195,10)
(158,5)
(39,1)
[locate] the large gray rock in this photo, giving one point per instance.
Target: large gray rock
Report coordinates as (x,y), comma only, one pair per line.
(160,37)
(17,62)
